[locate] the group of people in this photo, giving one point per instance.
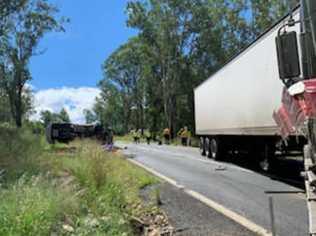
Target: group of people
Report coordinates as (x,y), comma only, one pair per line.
(184,134)
(138,134)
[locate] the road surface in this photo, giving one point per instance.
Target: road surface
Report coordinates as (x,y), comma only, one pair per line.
(238,189)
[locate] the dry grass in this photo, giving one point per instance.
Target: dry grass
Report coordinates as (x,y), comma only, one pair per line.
(79,186)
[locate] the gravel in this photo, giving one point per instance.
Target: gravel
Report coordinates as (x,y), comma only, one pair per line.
(191,217)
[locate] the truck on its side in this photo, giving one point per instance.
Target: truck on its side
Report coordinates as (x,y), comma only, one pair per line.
(233,108)
(67,132)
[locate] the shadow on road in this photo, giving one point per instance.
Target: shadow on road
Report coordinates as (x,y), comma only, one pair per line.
(284,169)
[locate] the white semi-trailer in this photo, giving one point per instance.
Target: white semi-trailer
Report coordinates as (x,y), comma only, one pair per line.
(234,107)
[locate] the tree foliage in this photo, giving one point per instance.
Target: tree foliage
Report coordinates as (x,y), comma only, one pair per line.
(48,117)
(149,81)
(90,116)
(63,116)
(24,24)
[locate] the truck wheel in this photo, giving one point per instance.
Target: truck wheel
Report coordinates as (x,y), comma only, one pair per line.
(215,149)
(266,161)
(202,146)
(207,147)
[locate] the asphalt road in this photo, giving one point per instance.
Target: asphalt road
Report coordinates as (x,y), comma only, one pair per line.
(238,189)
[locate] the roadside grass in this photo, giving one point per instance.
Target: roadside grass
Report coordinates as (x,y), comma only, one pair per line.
(110,187)
(19,150)
(124,138)
(75,189)
(33,206)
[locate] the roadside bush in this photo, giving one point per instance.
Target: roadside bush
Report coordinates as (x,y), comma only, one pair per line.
(32,207)
(19,150)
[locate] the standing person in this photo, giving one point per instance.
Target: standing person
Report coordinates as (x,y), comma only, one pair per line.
(105,135)
(147,136)
(184,136)
(138,135)
(179,134)
(166,135)
(134,134)
(189,138)
(110,139)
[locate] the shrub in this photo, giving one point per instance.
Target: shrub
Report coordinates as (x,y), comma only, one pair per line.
(29,207)
(19,150)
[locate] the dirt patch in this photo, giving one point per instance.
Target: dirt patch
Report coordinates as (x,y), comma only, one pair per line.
(153,221)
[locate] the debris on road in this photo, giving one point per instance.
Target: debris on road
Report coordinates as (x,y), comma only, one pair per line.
(221,168)
(151,224)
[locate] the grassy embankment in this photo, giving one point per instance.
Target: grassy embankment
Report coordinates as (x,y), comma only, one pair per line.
(75,189)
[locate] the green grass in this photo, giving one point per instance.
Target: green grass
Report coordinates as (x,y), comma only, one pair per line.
(32,207)
(112,186)
(77,187)
(125,138)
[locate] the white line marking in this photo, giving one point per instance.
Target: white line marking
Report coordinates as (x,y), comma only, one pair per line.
(207,201)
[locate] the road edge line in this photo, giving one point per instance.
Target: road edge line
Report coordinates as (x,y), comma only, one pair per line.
(248,224)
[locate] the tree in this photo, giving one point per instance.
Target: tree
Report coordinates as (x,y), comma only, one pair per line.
(25,27)
(5,114)
(109,108)
(122,83)
(48,117)
(266,13)
(186,39)
(149,80)
(27,105)
(63,116)
(7,8)
(90,116)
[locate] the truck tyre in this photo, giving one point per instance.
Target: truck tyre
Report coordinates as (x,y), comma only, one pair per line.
(202,146)
(207,147)
(266,161)
(216,149)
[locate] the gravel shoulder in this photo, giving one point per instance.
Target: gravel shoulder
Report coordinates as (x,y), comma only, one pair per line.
(189,216)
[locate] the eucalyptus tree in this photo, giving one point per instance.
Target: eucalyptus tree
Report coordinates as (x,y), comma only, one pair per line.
(64,116)
(187,39)
(24,28)
(122,85)
(265,13)
(150,79)
(90,116)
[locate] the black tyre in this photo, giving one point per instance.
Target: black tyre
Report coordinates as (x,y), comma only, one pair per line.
(267,159)
(207,147)
(202,146)
(312,136)
(216,149)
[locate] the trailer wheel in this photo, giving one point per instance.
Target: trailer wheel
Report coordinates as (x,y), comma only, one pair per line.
(266,161)
(202,146)
(216,149)
(207,147)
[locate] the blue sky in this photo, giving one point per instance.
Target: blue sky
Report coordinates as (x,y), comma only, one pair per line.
(73,59)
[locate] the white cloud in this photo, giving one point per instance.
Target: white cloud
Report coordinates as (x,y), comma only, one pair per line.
(74,100)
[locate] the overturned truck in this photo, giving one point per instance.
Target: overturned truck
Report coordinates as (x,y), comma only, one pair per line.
(66,132)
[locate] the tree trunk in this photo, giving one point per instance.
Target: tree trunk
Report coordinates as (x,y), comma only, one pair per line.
(172,115)
(18,109)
